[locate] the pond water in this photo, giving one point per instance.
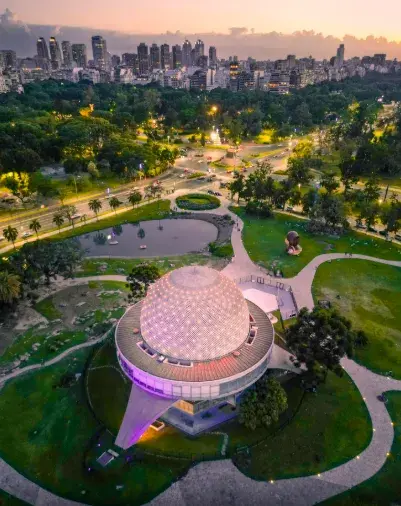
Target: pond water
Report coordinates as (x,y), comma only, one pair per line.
(161,237)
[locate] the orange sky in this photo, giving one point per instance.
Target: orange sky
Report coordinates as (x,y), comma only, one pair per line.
(335,17)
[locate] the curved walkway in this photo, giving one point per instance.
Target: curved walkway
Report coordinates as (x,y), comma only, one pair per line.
(221,482)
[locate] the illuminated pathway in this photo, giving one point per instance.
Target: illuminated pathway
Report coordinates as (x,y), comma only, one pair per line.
(220,482)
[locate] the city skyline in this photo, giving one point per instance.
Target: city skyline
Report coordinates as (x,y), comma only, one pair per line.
(337,19)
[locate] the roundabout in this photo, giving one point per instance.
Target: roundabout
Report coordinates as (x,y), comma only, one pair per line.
(197,202)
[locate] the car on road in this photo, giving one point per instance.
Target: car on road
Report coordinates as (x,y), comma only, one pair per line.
(2,238)
(25,235)
(76,216)
(210,192)
(218,194)
(181,176)
(397,237)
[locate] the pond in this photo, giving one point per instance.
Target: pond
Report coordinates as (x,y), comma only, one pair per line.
(161,238)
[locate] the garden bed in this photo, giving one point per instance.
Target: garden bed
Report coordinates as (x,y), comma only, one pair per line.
(197,202)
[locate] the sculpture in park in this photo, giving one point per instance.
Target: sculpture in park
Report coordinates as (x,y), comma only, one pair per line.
(292,243)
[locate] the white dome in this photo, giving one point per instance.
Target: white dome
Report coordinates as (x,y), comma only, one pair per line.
(194,313)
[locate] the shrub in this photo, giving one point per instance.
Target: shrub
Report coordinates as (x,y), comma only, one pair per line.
(256,208)
(198,202)
(221,250)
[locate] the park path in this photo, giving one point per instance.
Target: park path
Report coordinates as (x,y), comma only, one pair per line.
(220,482)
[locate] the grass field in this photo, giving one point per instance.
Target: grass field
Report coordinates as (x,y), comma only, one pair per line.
(264,241)
(330,428)
(300,448)
(384,488)
(369,295)
(47,429)
(92,266)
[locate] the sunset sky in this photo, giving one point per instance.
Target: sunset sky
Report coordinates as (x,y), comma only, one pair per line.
(338,17)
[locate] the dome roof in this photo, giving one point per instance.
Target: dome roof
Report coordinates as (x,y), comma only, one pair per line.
(194,313)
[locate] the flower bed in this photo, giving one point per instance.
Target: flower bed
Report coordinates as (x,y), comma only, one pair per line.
(197,202)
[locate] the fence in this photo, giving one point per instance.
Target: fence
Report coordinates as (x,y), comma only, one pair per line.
(279,285)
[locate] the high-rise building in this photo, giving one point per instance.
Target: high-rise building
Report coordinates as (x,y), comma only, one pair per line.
(291,61)
(212,55)
(55,53)
(186,54)
(340,55)
(165,56)
(41,48)
(99,48)
(131,61)
(143,59)
(79,55)
(177,56)
(154,57)
(115,60)
(67,53)
(203,61)
(9,58)
(199,51)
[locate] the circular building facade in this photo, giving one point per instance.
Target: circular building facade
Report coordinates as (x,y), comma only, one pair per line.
(194,337)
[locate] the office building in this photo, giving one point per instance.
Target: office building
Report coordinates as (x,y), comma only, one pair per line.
(55,53)
(291,62)
(154,57)
(165,57)
(203,61)
(115,60)
(177,56)
(143,59)
(42,49)
(186,54)
(9,59)
(79,55)
(212,56)
(199,50)
(99,49)
(340,55)
(67,53)
(131,60)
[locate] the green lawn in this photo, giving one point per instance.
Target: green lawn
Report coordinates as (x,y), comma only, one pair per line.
(384,488)
(330,428)
(370,297)
(91,266)
(58,336)
(146,212)
(46,430)
(8,500)
(264,240)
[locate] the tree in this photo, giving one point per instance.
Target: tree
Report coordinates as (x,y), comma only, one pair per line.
(114,204)
(58,220)
(329,182)
(134,198)
(93,170)
(11,234)
(319,339)
(348,176)
(95,206)
(298,172)
(237,186)
(35,226)
(371,191)
(263,403)
(47,259)
(140,278)
(19,185)
(309,200)
(10,287)
(69,213)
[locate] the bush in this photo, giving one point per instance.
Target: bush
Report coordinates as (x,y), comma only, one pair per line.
(256,208)
(198,202)
(221,250)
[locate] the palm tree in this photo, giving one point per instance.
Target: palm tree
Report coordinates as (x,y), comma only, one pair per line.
(11,234)
(95,205)
(35,226)
(134,198)
(84,218)
(69,212)
(10,287)
(114,203)
(58,220)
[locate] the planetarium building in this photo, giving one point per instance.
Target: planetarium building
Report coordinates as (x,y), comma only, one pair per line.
(192,344)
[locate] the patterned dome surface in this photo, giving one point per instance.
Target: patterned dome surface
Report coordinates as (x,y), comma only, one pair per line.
(194,313)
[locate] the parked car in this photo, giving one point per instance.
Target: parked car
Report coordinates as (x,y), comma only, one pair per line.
(398,237)
(210,192)
(218,194)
